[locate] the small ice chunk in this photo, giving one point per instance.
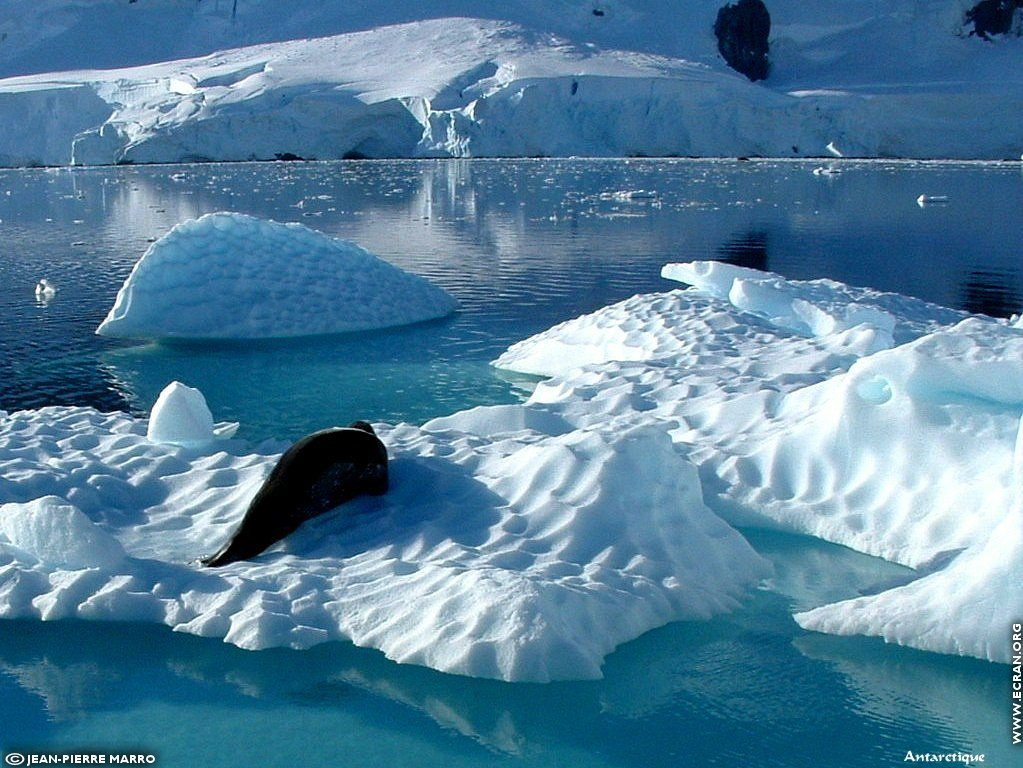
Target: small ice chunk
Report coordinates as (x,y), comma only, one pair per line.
(713,277)
(180,416)
(58,534)
(45,291)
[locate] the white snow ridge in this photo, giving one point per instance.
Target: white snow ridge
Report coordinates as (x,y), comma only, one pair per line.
(232,276)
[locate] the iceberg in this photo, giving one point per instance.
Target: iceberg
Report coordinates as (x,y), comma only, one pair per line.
(870,420)
(232,276)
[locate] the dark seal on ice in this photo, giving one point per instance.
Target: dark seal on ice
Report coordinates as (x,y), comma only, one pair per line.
(317,474)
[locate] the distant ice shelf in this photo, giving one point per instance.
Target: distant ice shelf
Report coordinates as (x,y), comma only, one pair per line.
(484,87)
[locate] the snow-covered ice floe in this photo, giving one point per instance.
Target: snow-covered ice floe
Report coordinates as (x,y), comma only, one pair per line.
(867,419)
(524,542)
(521,555)
(232,276)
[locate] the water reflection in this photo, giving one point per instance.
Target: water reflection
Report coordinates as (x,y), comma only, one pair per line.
(522,245)
(961,698)
(676,696)
(993,293)
(749,250)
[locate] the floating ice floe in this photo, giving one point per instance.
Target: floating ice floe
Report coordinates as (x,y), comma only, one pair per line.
(232,276)
(521,555)
(866,419)
(524,542)
(962,609)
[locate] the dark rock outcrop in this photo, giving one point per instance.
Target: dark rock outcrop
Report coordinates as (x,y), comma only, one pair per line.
(992,17)
(742,30)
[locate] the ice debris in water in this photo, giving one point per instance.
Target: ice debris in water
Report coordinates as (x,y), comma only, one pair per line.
(232,276)
(180,416)
(45,289)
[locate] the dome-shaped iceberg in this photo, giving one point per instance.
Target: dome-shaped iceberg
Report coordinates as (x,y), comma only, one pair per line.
(232,276)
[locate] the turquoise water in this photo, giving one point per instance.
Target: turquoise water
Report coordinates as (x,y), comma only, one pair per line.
(522,245)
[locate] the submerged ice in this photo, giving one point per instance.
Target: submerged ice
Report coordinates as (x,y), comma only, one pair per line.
(232,276)
(526,541)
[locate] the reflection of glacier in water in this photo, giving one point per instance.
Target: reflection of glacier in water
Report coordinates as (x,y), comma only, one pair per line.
(706,683)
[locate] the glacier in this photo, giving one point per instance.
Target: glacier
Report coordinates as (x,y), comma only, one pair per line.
(869,79)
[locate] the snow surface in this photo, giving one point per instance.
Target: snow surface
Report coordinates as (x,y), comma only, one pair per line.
(895,436)
(520,556)
(464,78)
(232,276)
(524,542)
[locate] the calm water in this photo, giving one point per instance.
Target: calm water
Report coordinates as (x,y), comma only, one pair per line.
(522,245)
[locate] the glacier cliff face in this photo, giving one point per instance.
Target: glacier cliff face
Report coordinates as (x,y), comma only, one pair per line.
(879,79)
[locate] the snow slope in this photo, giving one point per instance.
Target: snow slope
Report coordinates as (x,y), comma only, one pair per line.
(474,79)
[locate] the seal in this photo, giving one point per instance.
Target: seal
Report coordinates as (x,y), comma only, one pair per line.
(318,473)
